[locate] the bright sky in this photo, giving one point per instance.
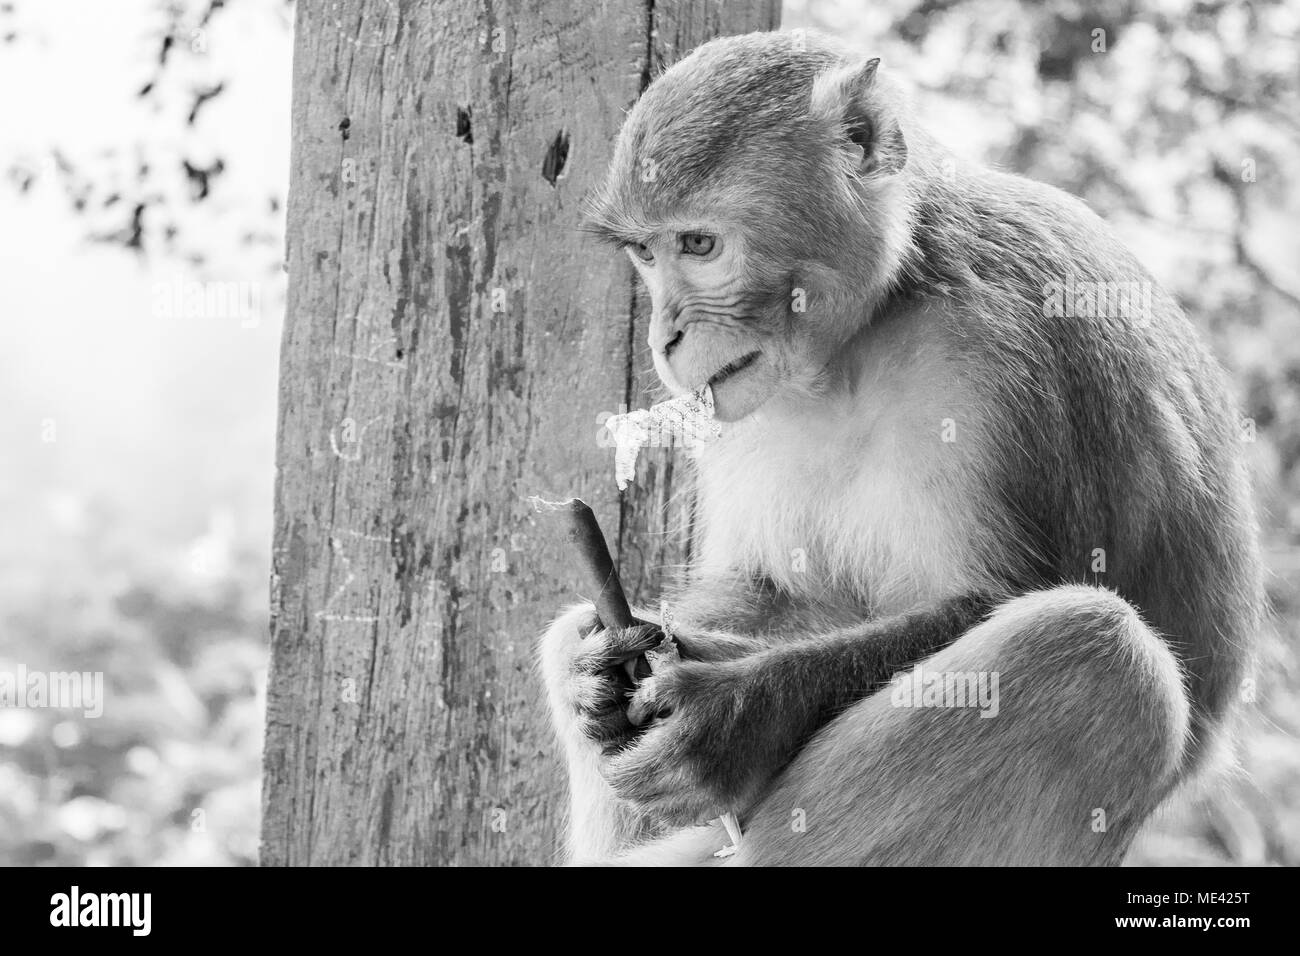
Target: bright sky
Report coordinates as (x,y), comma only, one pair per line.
(169,418)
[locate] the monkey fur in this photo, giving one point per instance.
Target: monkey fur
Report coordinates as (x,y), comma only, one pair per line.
(936,448)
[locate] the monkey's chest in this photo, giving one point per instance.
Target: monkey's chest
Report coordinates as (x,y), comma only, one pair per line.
(885,522)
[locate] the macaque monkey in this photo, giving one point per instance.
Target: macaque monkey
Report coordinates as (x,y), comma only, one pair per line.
(962,428)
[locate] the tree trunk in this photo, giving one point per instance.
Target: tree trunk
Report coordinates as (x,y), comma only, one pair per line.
(450,343)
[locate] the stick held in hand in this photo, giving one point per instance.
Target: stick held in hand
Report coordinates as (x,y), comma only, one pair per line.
(593,558)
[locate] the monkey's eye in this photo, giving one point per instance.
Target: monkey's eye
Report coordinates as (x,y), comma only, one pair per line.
(641,251)
(697,243)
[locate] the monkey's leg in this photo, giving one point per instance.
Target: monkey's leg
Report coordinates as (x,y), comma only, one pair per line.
(1085,739)
(599,824)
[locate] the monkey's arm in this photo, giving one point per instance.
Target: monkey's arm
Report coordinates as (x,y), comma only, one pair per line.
(725,727)
(719,608)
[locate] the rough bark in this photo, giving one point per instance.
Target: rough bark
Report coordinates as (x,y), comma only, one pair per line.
(450,343)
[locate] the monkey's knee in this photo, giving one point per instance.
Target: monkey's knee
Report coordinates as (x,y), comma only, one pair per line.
(562,641)
(1043,736)
(1085,737)
(1100,681)
(1094,642)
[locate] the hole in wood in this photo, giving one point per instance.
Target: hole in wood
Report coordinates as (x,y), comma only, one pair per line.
(556,157)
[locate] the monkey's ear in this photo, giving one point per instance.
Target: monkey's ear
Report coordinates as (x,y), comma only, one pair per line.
(851,98)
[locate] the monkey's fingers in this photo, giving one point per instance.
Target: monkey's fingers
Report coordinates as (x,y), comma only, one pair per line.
(625,643)
(607,728)
(646,704)
(650,775)
(600,705)
(589,624)
(606,649)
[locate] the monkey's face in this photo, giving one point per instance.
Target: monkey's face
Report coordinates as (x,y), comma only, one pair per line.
(754,186)
(709,322)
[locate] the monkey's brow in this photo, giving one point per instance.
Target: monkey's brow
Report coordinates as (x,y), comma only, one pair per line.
(616,234)
(625,234)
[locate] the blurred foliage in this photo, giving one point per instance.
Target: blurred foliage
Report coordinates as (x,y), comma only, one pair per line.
(157,197)
(169,773)
(1181,129)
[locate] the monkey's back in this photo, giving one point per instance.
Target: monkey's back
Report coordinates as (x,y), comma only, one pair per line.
(1115,452)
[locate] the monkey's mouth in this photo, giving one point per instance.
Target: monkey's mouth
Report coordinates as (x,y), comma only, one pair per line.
(731,368)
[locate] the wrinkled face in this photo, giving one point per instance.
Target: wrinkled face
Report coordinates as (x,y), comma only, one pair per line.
(753,215)
(710,322)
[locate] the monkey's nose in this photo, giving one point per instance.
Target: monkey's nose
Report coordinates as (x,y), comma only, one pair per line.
(664,334)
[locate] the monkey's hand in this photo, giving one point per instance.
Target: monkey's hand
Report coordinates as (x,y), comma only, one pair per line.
(586,681)
(717,735)
(720,730)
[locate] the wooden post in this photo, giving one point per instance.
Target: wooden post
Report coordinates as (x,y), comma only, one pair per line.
(450,344)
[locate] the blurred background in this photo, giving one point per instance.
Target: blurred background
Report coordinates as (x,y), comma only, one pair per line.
(143,168)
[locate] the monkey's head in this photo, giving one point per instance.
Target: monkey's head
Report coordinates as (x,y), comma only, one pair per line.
(757,188)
